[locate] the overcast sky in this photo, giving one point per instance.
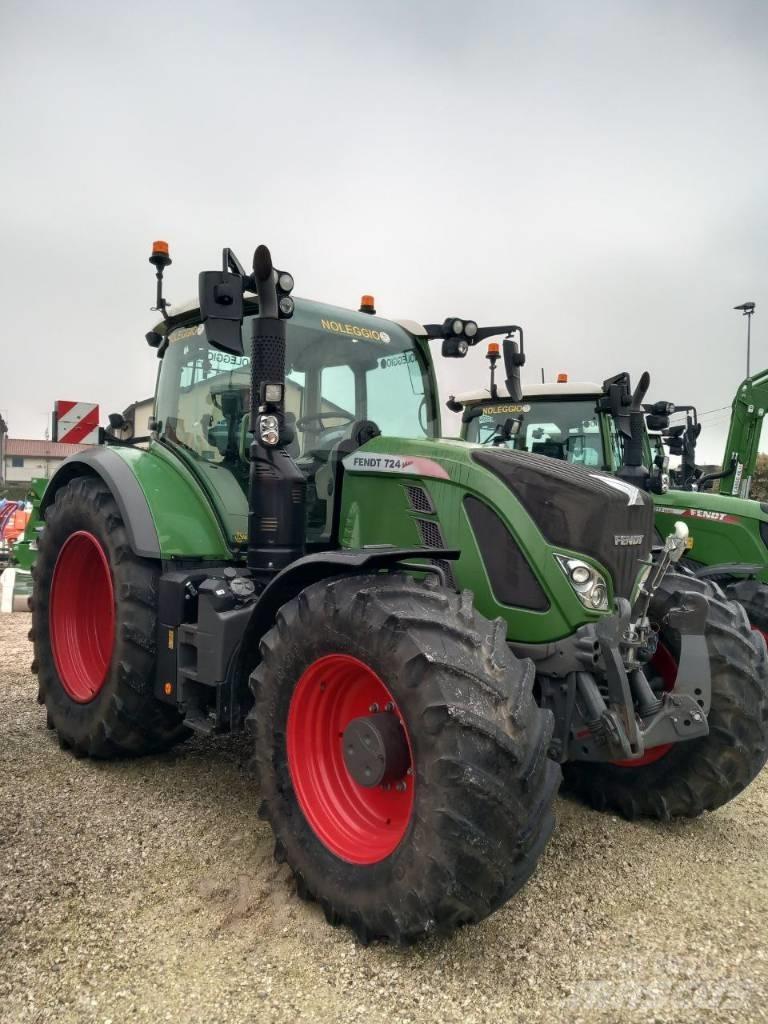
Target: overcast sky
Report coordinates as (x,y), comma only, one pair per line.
(595,171)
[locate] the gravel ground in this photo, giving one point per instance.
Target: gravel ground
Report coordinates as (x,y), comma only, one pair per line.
(146,891)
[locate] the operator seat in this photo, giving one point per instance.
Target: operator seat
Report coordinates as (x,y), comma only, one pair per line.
(327,476)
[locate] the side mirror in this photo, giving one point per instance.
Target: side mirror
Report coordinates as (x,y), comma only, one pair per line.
(221,309)
(117,421)
(514,358)
(509,430)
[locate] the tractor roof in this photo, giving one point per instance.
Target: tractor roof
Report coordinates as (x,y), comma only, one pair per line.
(182,311)
(550,390)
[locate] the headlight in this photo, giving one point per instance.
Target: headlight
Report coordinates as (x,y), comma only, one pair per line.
(269,430)
(589,585)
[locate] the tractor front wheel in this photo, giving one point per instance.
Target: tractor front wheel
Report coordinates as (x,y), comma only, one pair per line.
(94,625)
(401,756)
(685,779)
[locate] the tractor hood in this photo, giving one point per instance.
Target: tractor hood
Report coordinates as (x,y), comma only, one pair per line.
(578,508)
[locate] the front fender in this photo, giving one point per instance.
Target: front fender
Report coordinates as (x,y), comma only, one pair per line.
(324,565)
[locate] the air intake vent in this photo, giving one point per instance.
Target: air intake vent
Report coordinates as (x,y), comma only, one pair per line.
(432,537)
(419,500)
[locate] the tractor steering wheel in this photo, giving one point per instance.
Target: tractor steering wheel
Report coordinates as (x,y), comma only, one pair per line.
(318,417)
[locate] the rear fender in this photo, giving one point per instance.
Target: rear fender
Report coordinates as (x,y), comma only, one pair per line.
(165,514)
(116,474)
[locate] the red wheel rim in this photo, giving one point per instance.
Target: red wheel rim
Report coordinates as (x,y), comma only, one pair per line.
(359,824)
(81,616)
(665,664)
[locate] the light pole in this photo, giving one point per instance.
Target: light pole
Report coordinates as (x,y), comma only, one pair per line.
(747,309)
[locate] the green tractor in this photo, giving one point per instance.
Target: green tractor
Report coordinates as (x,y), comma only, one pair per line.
(609,427)
(296,550)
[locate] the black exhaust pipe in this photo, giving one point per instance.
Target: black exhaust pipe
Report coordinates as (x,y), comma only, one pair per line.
(276,486)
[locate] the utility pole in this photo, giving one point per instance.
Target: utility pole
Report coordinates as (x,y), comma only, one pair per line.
(747,309)
(3,435)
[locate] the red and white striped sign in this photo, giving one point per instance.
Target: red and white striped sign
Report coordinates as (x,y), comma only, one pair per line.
(77,422)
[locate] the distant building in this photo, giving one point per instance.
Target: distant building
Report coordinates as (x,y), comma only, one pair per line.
(138,415)
(25,459)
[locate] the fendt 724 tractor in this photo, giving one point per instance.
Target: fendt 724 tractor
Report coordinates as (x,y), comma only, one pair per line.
(294,548)
(606,427)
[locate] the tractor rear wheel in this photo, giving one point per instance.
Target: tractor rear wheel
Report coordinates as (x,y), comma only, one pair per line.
(685,779)
(402,759)
(94,625)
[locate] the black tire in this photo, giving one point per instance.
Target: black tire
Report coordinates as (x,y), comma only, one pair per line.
(703,774)
(124,718)
(484,786)
(752,595)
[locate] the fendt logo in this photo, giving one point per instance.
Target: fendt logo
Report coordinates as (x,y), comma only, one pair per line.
(701,513)
(628,540)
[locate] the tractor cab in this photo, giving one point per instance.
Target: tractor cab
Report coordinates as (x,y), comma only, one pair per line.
(349,377)
(559,420)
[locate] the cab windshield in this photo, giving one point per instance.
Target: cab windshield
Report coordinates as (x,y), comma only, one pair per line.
(562,429)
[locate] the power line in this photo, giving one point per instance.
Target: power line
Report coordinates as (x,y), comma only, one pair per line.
(710,411)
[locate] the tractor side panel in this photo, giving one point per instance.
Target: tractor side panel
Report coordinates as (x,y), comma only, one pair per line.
(186,523)
(723,529)
(429,509)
